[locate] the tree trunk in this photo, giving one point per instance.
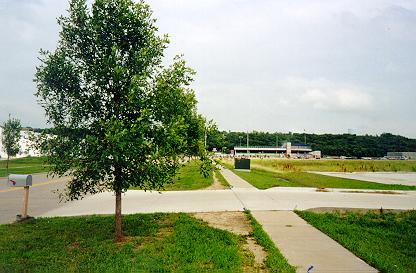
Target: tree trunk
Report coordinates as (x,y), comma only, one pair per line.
(118,234)
(117,217)
(7,165)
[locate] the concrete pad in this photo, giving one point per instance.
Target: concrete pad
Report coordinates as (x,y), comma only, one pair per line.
(303,245)
(306,198)
(395,178)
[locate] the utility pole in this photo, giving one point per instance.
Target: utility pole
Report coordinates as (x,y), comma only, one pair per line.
(247,140)
(304,134)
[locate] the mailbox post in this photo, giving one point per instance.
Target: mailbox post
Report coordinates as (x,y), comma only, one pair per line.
(22,180)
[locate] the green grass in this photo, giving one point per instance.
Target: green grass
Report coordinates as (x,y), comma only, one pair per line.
(153,243)
(25,165)
(386,241)
(221,178)
(263,180)
(337,165)
(274,260)
(188,178)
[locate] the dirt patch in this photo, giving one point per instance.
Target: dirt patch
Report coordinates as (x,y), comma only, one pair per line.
(375,192)
(355,210)
(322,190)
(216,185)
(258,251)
(235,222)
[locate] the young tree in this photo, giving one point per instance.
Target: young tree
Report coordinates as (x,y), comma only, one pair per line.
(10,138)
(120,118)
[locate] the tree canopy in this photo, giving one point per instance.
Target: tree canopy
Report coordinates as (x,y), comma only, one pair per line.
(120,118)
(10,137)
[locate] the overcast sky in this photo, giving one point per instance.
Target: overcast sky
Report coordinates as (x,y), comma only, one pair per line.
(320,66)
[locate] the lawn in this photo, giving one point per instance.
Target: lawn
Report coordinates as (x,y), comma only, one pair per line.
(188,177)
(386,241)
(153,243)
(25,165)
(264,179)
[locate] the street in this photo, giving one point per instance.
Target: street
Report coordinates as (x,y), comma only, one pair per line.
(42,197)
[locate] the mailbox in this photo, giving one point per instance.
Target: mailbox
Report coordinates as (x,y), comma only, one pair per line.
(20,180)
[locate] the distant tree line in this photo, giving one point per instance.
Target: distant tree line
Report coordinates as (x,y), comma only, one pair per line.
(39,130)
(331,145)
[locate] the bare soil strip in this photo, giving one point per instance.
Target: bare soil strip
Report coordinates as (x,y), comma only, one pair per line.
(235,222)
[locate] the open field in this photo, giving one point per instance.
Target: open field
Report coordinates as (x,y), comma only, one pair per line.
(26,165)
(386,241)
(328,165)
(153,243)
(267,177)
(188,178)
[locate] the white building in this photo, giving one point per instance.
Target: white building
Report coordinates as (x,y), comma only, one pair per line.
(25,145)
(286,150)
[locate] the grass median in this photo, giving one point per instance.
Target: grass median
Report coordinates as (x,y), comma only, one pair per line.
(221,178)
(262,179)
(386,241)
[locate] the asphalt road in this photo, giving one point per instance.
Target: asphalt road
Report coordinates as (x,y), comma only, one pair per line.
(42,197)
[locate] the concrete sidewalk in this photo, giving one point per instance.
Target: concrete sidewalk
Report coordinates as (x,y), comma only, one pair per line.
(135,201)
(235,181)
(304,246)
(233,200)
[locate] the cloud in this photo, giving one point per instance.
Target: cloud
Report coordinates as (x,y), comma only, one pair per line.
(261,65)
(346,100)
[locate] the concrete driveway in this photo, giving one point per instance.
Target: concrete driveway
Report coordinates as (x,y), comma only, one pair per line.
(396,178)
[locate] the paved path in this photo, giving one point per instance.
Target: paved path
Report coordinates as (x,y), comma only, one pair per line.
(136,201)
(235,181)
(304,245)
(41,197)
(396,178)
